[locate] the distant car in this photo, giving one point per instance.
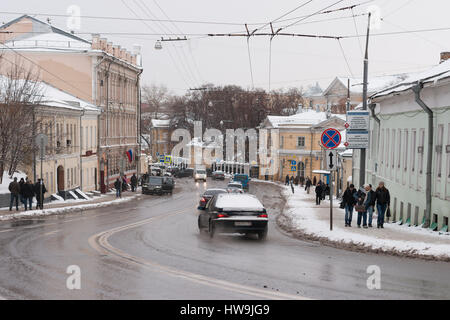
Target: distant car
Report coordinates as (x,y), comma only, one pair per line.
(234,186)
(218,175)
(234,213)
(200,174)
(158,185)
(208,195)
(189,172)
(242,178)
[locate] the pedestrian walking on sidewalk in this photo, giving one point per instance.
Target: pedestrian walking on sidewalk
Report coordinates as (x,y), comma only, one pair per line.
(14,188)
(349,200)
(133,182)
(28,194)
(360,207)
(308,185)
(286,181)
(383,199)
(370,207)
(118,188)
(37,192)
(21,197)
(318,194)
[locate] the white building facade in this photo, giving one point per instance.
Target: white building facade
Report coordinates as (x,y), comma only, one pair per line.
(399,149)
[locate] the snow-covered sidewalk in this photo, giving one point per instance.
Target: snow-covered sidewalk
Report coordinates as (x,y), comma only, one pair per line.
(303,217)
(61,206)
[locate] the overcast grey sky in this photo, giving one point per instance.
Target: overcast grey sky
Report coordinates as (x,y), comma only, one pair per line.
(295,61)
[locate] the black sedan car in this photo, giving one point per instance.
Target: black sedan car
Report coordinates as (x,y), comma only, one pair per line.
(188,172)
(234,213)
(208,195)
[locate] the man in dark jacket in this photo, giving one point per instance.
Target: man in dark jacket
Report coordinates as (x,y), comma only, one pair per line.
(319,190)
(133,182)
(28,194)
(383,199)
(117,186)
(349,201)
(308,185)
(286,180)
(21,184)
(37,192)
(14,188)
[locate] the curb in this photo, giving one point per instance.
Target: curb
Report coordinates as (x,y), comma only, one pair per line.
(63,210)
(284,223)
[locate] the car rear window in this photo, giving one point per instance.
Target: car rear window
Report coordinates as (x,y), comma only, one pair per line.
(213,192)
(201,171)
(155,180)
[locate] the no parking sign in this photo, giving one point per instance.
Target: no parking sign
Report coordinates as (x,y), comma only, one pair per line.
(331,138)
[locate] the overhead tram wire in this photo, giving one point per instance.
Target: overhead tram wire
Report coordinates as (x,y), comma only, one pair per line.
(168,51)
(181,56)
(356,30)
(249,57)
(345,58)
(189,44)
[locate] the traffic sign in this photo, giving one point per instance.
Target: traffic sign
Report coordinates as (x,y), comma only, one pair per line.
(293,168)
(357,139)
(358,120)
(331,138)
(293,163)
(41,142)
(332,160)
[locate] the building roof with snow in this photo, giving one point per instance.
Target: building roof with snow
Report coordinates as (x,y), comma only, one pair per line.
(53,97)
(307,118)
(428,77)
(29,34)
(375,84)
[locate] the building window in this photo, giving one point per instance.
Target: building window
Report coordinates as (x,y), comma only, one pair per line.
(381,149)
(301,142)
(392,150)
(405,154)
(282,142)
(399,151)
(440,135)
(413,151)
(420,149)
(387,148)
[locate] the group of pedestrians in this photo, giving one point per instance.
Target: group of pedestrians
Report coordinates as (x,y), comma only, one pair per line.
(364,201)
(24,191)
(122,186)
(322,189)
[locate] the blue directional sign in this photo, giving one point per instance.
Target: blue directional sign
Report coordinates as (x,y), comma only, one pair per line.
(293,168)
(331,138)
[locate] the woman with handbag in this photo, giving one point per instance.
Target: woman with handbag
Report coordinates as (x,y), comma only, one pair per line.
(361,208)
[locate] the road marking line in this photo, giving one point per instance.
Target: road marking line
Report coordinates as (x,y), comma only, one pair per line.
(6,230)
(100,243)
(51,232)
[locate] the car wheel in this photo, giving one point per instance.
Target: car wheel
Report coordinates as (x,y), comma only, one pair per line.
(211,229)
(262,235)
(199,225)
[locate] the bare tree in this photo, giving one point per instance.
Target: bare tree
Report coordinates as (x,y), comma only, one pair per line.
(20,93)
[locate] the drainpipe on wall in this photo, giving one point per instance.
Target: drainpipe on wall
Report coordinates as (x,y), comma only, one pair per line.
(81,151)
(417,89)
(378,121)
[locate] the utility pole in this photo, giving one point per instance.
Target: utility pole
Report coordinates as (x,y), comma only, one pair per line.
(362,164)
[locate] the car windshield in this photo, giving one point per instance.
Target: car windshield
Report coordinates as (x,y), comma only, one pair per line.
(240,178)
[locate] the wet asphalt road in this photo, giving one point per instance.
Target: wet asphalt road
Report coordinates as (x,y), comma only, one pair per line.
(151,249)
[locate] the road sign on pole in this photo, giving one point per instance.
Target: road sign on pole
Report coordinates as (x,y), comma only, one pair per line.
(331,138)
(332,160)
